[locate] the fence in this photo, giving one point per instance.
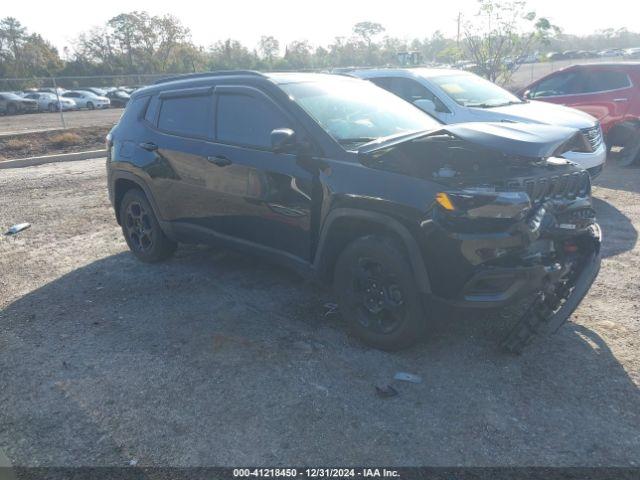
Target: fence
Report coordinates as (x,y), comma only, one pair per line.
(80,82)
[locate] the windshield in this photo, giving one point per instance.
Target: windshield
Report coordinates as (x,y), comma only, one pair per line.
(355,111)
(474,91)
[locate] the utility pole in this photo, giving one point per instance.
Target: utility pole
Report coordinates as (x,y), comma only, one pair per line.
(458,35)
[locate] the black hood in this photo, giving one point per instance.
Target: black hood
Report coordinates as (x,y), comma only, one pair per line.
(519,139)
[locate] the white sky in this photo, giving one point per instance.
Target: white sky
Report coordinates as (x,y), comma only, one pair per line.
(318,21)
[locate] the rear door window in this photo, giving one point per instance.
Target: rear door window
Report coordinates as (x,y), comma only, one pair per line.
(188,116)
(605,80)
(247,120)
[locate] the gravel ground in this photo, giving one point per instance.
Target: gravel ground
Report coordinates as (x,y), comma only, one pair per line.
(219,359)
(36,122)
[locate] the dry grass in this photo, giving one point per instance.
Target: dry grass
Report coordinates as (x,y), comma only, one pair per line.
(66,139)
(15,144)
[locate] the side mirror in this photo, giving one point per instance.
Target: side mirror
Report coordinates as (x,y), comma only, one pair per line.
(526,95)
(283,140)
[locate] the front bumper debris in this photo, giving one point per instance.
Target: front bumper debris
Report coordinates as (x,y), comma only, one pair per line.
(553,306)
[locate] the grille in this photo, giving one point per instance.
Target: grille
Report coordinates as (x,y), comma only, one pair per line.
(568,185)
(593,136)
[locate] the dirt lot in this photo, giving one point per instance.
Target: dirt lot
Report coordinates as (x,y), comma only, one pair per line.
(52,142)
(35,122)
(218,359)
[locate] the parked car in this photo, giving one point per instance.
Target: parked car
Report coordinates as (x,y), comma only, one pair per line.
(11,104)
(453,96)
(632,53)
(118,98)
(88,100)
(553,56)
(612,52)
(610,92)
(49,102)
(58,90)
(352,185)
(101,92)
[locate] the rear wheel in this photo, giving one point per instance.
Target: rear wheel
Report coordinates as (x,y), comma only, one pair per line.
(377,293)
(625,145)
(52,107)
(141,229)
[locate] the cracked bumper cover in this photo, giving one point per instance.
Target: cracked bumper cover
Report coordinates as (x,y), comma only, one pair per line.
(498,286)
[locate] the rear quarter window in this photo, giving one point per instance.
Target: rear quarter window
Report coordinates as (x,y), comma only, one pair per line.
(135,109)
(188,116)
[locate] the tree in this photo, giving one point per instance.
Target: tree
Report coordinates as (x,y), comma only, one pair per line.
(367,30)
(298,54)
(269,47)
(134,42)
(229,54)
(501,32)
(23,54)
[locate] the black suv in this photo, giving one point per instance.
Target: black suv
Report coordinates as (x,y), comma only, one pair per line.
(349,183)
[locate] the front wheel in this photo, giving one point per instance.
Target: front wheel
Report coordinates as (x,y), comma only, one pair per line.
(91,106)
(52,107)
(377,293)
(141,229)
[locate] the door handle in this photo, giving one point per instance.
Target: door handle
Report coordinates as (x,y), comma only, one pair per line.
(620,99)
(219,160)
(149,146)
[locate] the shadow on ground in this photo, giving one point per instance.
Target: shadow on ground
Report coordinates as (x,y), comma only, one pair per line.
(619,178)
(618,233)
(218,359)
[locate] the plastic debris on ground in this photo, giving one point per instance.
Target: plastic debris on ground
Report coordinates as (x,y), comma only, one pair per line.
(407,377)
(331,309)
(18,227)
(386,391)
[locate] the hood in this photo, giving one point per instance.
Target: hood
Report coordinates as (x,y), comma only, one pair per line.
(536,112)
(517,139)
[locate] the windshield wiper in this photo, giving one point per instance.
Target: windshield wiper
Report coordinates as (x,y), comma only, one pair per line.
(351,140)
(493,105)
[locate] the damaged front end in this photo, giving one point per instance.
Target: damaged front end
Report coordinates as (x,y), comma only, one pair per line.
(512,220)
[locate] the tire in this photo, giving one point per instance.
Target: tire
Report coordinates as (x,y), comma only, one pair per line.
(91,106)
(377,294)
(631,152)
(141,229)
(52,107)
(12,109)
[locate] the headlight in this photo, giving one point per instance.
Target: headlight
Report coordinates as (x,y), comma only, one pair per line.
(483,203)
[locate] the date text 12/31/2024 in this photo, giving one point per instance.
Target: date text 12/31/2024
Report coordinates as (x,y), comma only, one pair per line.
(315,473)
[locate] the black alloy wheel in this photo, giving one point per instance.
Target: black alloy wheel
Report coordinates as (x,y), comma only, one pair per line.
(141,229)
(377,293)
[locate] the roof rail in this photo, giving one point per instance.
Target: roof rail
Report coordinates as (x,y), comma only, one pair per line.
(219,73)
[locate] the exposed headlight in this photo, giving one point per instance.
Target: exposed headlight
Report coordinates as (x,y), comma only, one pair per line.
(484,203)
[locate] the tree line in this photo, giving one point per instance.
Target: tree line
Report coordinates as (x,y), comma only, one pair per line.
(140,43)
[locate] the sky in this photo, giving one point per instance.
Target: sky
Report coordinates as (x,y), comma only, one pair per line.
(316,21)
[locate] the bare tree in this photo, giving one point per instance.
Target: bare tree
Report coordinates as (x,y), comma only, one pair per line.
(501,33)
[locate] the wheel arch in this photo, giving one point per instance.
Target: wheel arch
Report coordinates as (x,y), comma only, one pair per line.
(123,182)
(343,225)
(622,131)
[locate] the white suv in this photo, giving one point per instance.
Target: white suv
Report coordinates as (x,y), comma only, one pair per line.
(455,96)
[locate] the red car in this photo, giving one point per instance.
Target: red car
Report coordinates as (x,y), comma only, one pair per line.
(608,91)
